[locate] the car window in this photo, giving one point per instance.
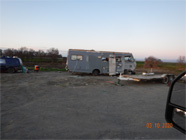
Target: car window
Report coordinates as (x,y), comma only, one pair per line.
(9,61)
(118,58)
(17,61)
(13,61)
(20,61)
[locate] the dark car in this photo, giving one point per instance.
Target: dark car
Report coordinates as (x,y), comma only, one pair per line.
(10,64)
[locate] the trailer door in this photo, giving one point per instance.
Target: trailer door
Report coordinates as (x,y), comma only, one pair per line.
(112,65)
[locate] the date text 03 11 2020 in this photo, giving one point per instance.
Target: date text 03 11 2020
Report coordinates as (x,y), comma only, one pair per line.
(159,125)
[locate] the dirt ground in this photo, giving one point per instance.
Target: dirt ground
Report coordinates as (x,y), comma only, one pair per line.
(60,105)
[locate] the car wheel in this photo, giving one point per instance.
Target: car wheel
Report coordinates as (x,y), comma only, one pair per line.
(11,70)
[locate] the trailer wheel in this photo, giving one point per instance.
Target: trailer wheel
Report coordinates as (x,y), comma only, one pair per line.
(166,80)
(171,79)
(95,72)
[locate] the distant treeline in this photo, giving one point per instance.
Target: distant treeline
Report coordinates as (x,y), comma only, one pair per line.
(28,54)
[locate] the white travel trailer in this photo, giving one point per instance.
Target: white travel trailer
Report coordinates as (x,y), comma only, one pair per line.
(100,62)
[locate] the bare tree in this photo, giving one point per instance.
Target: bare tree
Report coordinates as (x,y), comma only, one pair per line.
(31,53)
(53,54)
(40,53)
(9,52)
(152,62)
(181,59)
(181,63)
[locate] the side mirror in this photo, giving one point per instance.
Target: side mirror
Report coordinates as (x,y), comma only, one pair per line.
(176,103)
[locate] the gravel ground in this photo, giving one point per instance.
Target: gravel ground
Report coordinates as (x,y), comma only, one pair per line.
(54,105)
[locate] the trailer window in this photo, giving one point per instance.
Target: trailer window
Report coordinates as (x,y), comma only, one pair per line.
(76,57)
(104,59)
(118,58)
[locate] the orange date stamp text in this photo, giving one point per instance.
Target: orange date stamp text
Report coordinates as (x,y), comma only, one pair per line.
(159,125)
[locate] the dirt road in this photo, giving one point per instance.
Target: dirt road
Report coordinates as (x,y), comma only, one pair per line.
(57,105)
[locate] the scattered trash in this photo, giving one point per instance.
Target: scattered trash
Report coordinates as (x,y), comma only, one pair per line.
(25,70)
(118,83)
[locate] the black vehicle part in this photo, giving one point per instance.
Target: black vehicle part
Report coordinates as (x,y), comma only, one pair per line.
(168,79)
(170,107)
(165,80)
(125,71)
(133,72)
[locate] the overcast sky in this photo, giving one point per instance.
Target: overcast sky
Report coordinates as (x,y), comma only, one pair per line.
(154,27)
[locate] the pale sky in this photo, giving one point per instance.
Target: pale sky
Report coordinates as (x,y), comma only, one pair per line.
(144,28)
